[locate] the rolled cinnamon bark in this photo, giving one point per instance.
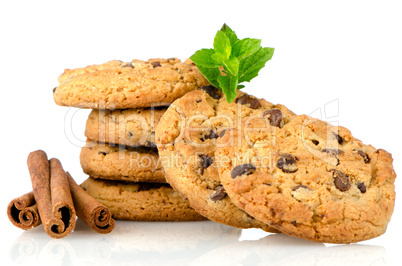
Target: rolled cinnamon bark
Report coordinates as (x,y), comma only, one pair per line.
(23,212)
(89,210)
(62,201)
(57,215)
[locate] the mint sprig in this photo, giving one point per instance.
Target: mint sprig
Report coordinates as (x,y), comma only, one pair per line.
(232,61)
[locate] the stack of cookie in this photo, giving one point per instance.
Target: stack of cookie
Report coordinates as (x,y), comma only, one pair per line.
(120,156)
(248,163)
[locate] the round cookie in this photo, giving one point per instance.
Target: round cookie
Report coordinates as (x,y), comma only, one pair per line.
(186,137)
(121,85)
(117,162)
(132,127)
(308,179)
(141,201)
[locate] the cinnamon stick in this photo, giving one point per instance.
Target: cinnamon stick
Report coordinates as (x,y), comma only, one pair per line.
(89,210)
(62,201)
(23,212)
(57,214)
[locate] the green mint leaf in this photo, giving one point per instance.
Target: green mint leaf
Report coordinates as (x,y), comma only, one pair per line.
(211,74)
(245,47)
(219,58)
(204,58)
(222,44)
(250,66)
(228,84)
(230,34)
(232,66)
(231,61)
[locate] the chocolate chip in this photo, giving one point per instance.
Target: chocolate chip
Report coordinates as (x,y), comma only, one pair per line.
(156,64)
(341,180)
(215,93)
(102,152)
(219,194)
(275,117)
(130,134)
(222,133)
(299,186)
(249,101)
(212,135)
(54,89)
(315,142)
(333,152)
(198,100)
(338,138)
(366,159)
(243,169)
(361,187)
(206,161)
(287,163)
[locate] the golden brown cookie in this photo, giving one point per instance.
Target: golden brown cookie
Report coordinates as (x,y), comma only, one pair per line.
(141,201)
(308,179)
(118,162)
(132,127)
(121,85)
(186,137)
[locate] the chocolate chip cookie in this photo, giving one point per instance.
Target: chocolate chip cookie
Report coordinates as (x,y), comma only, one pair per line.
(121,85)
(186,137)
(308,179)
(141,201)
(132,127)
(118,162)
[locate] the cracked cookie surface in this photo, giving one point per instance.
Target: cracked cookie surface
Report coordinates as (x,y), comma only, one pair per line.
(308,179)
(117,162)
(141,201)
(186,137)
(132,127)
(121,85)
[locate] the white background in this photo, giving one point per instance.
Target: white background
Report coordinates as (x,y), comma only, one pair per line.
(343,58)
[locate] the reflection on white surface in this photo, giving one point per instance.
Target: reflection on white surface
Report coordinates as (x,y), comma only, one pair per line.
(133,243)
(281,249)
(184,243)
